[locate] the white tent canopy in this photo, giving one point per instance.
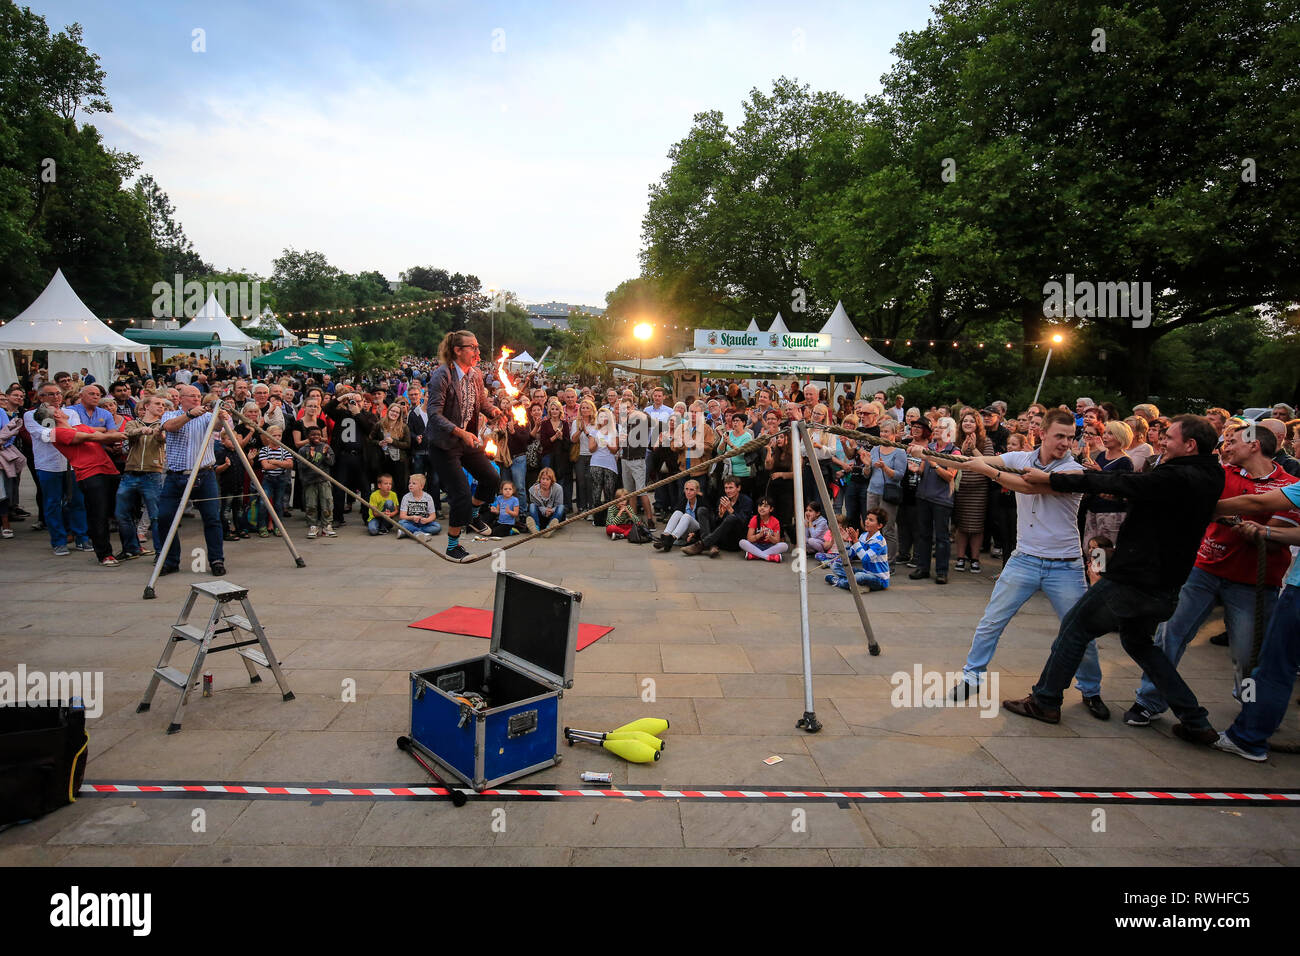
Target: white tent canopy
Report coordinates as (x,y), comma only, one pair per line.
(523,359)
(59,323)
(848,357)
(268,322)
(212,318)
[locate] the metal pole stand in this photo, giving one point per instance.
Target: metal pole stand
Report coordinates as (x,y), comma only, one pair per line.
(808,721)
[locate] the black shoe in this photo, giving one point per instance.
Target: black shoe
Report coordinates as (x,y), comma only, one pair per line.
(975,567)
(127,555)
(941,579)
(1206,737)
(918,574)
(1220,640)
(166,571)
(457,553)
(1138,716)
(340,522)
(911,562)
(963,691)
(19,514)
(960,565)
(1097,707)
(218,568)
(479,526)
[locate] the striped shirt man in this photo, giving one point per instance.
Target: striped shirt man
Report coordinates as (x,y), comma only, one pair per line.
(183,443)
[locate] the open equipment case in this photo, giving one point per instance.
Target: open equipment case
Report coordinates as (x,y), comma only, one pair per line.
(514,729)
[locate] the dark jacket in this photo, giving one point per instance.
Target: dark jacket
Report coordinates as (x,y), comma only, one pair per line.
(445,412)
(744,509)
(1172,504)
(703,513)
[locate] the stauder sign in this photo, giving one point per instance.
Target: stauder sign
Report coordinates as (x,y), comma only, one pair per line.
(727,339)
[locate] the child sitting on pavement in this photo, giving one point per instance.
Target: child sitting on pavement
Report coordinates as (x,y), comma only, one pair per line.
(848,534)
(415,514)
(870,551)
(505,511)
(763,541)
(817,532)
(619,518)
(382,501)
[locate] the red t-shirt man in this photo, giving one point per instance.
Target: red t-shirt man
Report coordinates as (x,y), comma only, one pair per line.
(86,458)
(1226,554)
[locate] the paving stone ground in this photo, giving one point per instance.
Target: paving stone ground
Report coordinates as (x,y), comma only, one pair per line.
(717,640)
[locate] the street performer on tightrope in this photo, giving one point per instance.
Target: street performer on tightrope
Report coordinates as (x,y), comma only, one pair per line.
(456,398)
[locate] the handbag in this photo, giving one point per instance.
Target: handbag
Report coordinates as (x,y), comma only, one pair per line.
(534,454)
(893,493)
(639,534)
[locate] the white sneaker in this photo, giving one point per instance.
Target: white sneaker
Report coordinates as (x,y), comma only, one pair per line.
(330,532)
(1228,745)
(312,532)
(530,524)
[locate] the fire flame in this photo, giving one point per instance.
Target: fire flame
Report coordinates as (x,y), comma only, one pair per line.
(520,411)
(490,449)
(511,389)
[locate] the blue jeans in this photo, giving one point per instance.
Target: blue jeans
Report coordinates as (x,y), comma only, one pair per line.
(536,512)
(410,527)
(276,485)
(207,498)
(1022,577)
(1195,602)
(1110,606)
(1279,658)
(53,485)
(518,474)
(144,490)
(840,580)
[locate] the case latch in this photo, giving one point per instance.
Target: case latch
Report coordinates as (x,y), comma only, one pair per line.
(522,723)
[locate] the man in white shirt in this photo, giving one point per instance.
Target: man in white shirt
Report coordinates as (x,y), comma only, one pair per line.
(65,508)
(659,414)
(1047,558)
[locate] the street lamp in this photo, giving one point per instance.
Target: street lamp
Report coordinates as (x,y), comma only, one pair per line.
(1057,339)
(642,331)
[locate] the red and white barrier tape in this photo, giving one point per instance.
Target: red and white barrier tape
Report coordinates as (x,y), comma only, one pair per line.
(260,791)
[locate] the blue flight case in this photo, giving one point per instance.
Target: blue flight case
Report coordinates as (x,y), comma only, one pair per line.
(490,719)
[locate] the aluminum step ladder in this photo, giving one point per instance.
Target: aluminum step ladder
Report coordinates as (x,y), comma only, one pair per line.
(222,620)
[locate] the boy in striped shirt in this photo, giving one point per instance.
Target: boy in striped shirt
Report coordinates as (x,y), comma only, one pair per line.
(277,469)
(869,551)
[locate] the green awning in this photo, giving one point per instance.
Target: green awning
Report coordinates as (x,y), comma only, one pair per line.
(297,358)
(174,338)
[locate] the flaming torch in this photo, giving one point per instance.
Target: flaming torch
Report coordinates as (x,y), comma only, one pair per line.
(519,411)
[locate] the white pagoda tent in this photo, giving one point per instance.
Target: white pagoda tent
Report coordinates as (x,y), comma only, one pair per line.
(235,345)
(268,322)
(59,323)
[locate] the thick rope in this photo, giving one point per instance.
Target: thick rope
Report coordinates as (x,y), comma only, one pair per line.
(514,540)
(941,456)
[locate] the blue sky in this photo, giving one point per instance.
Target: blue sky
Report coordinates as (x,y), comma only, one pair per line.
(514,141)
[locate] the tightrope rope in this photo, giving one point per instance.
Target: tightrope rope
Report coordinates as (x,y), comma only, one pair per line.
(514,540)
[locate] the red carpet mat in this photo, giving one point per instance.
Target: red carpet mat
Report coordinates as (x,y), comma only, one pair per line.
(477,622)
